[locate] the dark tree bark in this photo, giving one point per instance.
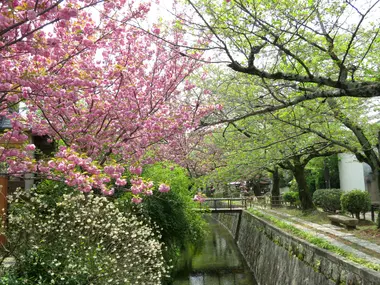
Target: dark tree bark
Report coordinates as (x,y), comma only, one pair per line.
(298,169)
(254,184)
(304,192)
(275,188)
(326,175)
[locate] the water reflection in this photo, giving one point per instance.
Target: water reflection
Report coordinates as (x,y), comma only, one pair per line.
(219,262)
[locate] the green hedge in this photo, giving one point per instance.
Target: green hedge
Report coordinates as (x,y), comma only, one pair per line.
(356,202)
(328,199)
(291,197)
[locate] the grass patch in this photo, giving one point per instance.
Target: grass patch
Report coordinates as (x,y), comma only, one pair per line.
(317,217)
(317,241)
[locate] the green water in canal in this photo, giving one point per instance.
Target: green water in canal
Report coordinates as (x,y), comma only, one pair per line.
(218,263)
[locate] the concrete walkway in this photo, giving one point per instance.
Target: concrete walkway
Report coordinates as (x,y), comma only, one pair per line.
(335,235)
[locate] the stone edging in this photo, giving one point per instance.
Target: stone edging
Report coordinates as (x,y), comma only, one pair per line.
(291,260)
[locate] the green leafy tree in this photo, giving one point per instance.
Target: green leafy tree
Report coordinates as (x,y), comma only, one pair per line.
(172,212)
(263,143)
(290,54)
(318,49)
(323,173)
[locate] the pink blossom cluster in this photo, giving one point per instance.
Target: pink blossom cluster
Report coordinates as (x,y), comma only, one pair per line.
(19,160)
(109,102)
(82,172)
(137,170)
(136,200)
(164,188)
(139,186)
(199,197)
(66,13)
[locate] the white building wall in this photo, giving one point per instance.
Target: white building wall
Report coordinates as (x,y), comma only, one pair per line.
(351,174)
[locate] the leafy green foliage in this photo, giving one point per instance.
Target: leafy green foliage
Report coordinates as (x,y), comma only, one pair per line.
(267,51)
(291,197)
(328,199)
(323,173)
(293,186)
(173,212)
(53,191)
(356,202)
(286,177)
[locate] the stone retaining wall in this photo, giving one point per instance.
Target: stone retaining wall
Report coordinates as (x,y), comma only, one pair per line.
(275,257)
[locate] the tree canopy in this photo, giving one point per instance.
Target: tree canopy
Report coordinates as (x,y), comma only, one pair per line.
(311,66)
(110,95)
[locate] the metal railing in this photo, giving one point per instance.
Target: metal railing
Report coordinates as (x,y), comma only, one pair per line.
(236,204)
(224,203)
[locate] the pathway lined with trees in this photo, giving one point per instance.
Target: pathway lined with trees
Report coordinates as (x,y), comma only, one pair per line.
(121,120)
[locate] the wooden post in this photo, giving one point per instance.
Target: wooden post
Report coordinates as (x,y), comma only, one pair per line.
(3,203)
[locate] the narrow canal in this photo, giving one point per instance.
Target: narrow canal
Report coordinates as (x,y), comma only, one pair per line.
(218,263)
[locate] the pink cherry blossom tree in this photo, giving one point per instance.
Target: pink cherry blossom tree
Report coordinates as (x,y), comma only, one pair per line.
(106,92)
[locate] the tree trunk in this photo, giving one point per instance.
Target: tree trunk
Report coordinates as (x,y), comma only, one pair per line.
(255,186)
(257,189)
(275,188)
(304,193)
(326,175)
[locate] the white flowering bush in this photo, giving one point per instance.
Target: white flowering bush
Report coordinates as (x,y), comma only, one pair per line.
(82,239)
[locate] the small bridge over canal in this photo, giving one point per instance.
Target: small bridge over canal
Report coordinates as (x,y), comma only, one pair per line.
(222,205)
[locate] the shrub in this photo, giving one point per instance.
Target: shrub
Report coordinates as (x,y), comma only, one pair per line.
(291,197)
(356,202)
(180,227)
(173,211)
(328,199)
(82,239)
